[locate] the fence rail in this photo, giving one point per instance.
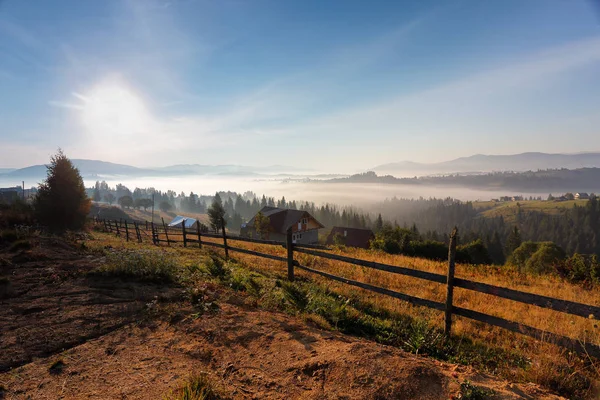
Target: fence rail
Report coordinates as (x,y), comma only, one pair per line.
(194,236)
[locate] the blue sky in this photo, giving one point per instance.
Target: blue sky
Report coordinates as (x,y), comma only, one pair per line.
(337,86)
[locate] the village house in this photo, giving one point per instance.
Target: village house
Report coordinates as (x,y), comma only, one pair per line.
(582,196)
(305,228)
(352,237)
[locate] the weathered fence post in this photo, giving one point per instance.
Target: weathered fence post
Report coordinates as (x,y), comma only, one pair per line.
(126,231)
(146,225)
(166,232)
(290,254)
(137,232)
(450,280)
(153,233)
(105,227)
(198,231)
(118,230)
(183,233)
(224,238)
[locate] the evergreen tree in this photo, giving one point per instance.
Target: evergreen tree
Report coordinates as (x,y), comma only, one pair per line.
(216,213)
(61,202)
(513,241)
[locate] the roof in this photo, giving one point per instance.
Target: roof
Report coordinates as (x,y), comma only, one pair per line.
(355,237)
(189,222)
(281,219)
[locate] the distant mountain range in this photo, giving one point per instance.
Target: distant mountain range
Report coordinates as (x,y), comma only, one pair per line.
(95,169)
(491,163)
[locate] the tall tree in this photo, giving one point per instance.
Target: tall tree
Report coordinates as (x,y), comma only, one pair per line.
(216,213)
(61,202)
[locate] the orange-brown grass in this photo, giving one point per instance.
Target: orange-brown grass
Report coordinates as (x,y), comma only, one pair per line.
(545,358)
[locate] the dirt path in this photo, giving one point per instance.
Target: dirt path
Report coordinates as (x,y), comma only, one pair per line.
(113,345)
(51,303)
(250,354)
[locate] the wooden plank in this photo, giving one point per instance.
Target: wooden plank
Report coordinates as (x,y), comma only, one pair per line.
(375,265)
(166,231)
(256,253)
(539,334)
(405,297)
(566,306)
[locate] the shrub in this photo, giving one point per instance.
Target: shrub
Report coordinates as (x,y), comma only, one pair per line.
(473,253)
(522,253)
(149,265)
(546,257)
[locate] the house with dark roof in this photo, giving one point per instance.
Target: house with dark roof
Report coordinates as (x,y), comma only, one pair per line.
(305,228)
(582,196)
(353,237)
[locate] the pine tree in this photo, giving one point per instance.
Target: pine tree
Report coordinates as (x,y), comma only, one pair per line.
(216,213)
(62,202)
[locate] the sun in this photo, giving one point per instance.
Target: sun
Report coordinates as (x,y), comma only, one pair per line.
(112,111)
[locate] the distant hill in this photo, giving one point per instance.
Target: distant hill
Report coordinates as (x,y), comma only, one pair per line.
(545,181)
(87,168)
(92,169)
(490,163)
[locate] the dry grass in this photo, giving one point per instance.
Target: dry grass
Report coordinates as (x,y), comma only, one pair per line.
(549,365)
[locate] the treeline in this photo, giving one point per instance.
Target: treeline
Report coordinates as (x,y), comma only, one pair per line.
(239,208)
(581,179)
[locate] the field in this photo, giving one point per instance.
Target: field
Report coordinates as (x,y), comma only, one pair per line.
(242,323)
(508,209)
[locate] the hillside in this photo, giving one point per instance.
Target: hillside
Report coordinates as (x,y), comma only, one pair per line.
(546,181)
(489,163)
(114,335)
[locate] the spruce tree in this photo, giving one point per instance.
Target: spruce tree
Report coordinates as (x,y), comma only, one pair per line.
(61,202)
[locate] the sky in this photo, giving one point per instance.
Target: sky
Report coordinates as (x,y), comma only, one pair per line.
(337,86)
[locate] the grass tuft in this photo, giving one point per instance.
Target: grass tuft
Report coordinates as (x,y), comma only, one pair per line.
(57,367)
(197,387)
(146,265)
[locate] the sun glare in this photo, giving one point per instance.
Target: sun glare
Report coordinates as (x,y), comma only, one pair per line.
(112,112)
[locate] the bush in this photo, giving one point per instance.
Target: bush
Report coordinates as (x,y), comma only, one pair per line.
(523,253)
(473,253)
(148,265)
(580,268)
(429,249)
(545,259)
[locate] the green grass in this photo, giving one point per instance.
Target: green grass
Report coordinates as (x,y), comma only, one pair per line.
(468,391)
(145,265)
(509,209)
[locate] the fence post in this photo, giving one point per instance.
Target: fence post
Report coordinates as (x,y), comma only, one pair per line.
(146,225)
(198,231)
(450,281)
(290,254)
(126,231)
(118,230)
(153,233)
(183,232)
(224,238)
(138,235)
(166,232)
(105,227)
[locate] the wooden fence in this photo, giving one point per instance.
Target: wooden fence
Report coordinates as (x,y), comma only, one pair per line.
(161,233)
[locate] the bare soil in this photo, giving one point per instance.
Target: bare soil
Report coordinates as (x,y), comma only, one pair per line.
(110,344)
